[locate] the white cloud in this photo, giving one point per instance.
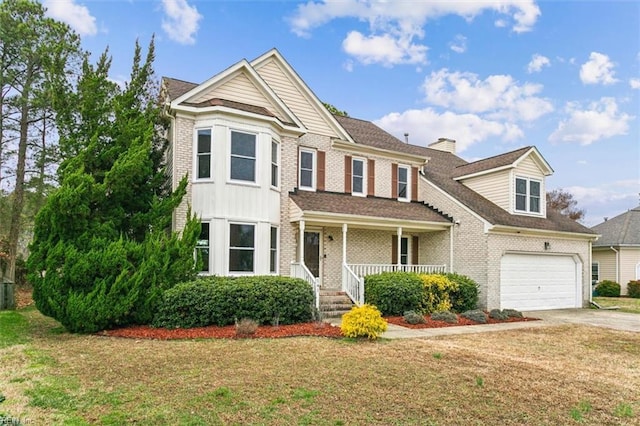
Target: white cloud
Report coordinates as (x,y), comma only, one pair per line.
(385,49)
(427,125)
(600,120)
(634,83)
(459,44)
(598,69)
(181,21)
(396,25)
(606,200)
(499,96)
(537,63)
(75,15)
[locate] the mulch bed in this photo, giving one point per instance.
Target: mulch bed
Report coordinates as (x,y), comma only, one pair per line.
(461,322)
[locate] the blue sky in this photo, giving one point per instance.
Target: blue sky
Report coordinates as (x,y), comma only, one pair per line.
(494,75)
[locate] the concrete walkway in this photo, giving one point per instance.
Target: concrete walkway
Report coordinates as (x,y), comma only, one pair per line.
(597,318)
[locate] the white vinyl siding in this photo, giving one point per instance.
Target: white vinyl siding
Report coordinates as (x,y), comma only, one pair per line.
(494,187)
(299,104)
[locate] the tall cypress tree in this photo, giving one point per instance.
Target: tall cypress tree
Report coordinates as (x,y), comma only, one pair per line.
(103,252)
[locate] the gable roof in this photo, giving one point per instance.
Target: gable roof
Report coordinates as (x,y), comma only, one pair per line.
(501,162)
(443,167)
(622,230)
(176,88)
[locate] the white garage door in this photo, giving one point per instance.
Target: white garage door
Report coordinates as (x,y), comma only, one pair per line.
(535,282)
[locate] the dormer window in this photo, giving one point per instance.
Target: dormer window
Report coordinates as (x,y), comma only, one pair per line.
(528,195)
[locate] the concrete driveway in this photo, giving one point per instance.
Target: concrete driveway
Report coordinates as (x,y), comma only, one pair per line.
(594,317)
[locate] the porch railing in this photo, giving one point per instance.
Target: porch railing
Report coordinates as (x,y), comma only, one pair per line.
(362,270)
(300,270)
(352,284)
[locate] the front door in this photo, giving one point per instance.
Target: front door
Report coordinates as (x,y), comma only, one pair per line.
(312,252)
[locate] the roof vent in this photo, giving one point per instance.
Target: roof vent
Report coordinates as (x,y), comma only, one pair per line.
(444,144)
(406,138)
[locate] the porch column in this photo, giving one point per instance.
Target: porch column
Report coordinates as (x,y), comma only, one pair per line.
(399,248)
(301,243)
(344,243)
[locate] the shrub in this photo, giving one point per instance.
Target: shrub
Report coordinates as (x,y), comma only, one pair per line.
(498,314)
(465,297)
(633,289)
(436,292)
(607,288)
(363,321)
(475,315)
(246,327)
(445,316)
(394,293)
(412,317)
(220,300)
(512,313)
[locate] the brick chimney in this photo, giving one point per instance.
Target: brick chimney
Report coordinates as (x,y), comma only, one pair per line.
(444,144)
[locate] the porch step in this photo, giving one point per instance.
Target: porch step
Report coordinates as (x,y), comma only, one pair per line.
(334,303)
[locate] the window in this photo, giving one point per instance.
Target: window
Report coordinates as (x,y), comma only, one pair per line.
(274,163)
(404,251)
(241,247)
(595,272)
(403,183)
(203,160)
(203,247)
(357,176)
(273,255)
(528,195)
(307,165)
(243,156)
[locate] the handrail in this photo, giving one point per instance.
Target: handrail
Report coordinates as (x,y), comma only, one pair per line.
(300,270)
(352,284)
(363,269)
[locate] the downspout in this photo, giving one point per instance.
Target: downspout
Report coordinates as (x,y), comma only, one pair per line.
(451,248)
(617,264)
(591,272)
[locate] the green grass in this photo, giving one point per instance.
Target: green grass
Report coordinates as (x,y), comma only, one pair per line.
(626,304)
(13,329)
(509,377)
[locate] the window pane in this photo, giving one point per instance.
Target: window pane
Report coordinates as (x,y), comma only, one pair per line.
(521,186)
(241,235)
(306,160)
(202,247)
(274,250)
(358,167)
(521,202)
(306,178)
(243,144)
(402,190)
(204,166)
(274,152)
(204,141)
(274,164)
(240,260)
(357,185)
(534,204)
(534,188)
(243,169)
(274,175)
(274,237)
(402,174)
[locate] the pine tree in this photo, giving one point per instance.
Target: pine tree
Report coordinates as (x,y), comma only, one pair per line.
(103,252)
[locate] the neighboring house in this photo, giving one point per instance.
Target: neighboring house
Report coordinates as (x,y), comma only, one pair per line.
(616,254)
(282,186)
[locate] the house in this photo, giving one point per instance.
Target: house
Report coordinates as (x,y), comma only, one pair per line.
(616,254)
(282,186)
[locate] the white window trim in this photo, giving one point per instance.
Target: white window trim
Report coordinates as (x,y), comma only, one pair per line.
(276,164)
(408,169)
(527,210)
(314,170)
(195,155)
(364,176)
(256,170)
(255,230)
(198,246)
(277,250)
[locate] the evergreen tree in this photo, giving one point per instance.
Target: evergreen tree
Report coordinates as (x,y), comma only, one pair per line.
(103,252)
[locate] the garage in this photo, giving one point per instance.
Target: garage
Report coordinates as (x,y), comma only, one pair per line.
(531,282)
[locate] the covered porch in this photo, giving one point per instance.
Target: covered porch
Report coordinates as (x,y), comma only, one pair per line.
(340,239)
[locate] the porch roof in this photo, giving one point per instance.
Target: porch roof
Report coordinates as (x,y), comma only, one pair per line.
(373,212)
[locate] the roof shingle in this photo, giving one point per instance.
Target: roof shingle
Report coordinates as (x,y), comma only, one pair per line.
(622,230)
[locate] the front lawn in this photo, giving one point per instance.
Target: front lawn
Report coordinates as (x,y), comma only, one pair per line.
(550,375)
(626,304)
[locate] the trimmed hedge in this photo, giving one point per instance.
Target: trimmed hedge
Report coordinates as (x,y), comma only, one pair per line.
(465,298)
(394,293)
(633,289)
(607,288)
(223,300)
